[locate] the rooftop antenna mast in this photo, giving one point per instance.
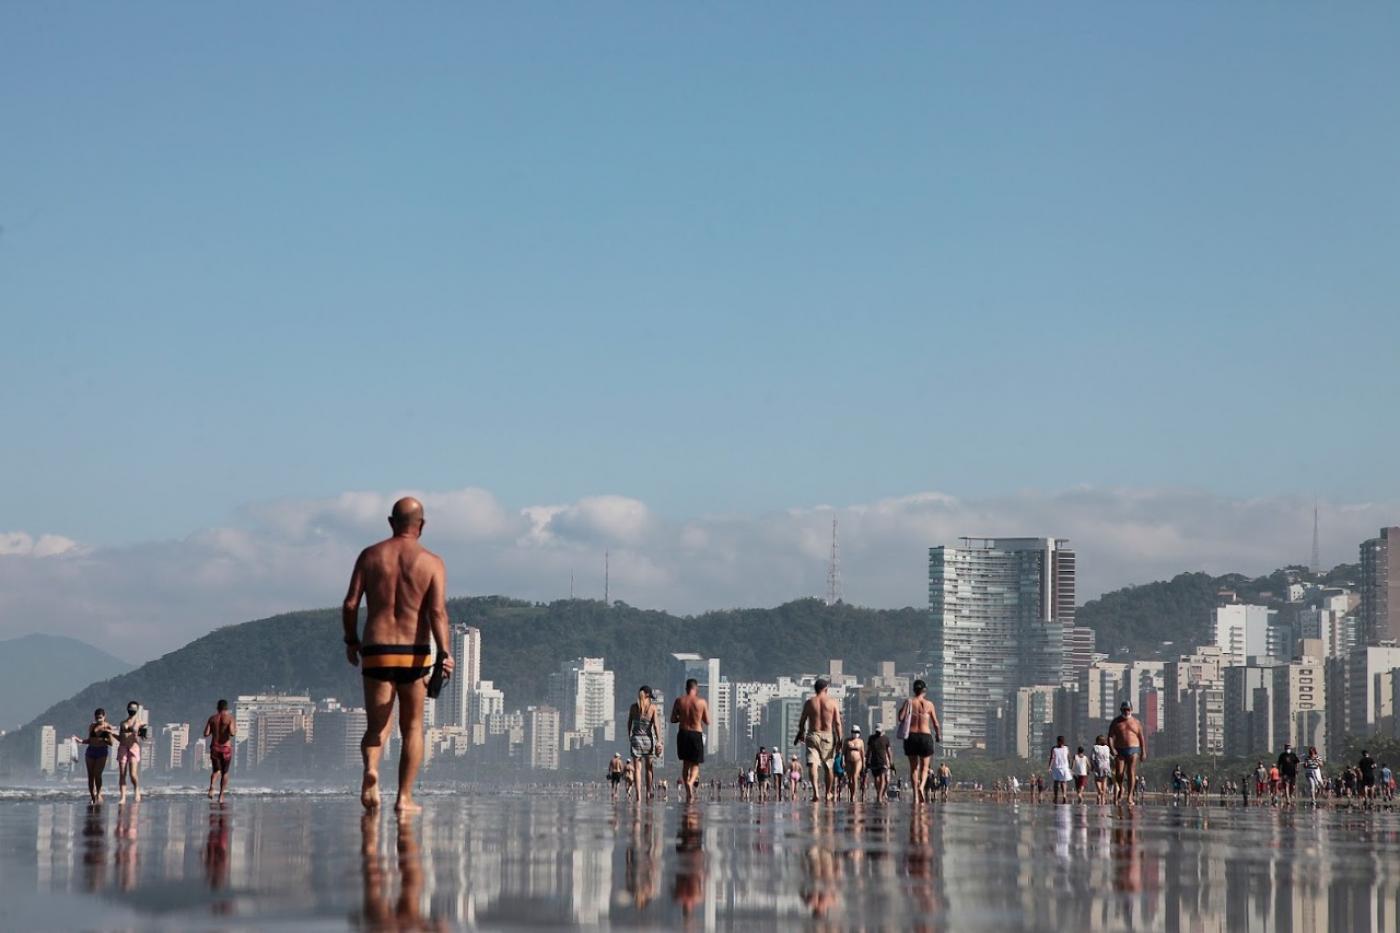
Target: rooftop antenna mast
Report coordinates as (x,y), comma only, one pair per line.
(571,585)
(1316,552)
(833,571)
(606,568)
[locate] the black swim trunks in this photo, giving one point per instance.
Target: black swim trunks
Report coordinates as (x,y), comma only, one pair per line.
(690,746)
(396,664)
(918,745)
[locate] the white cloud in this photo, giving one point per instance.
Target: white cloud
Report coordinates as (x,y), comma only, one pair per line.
(146,598)
(23,544)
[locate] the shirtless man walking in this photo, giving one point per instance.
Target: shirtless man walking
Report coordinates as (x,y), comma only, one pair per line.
(404,586)
(691,714)
(1129,745)
(220,730)
(819,727)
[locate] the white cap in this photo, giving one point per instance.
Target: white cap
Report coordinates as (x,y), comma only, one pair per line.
(855,729)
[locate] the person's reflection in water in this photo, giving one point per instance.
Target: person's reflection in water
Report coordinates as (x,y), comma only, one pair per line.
(689,890)
(127,837)
(643,858)
(1127,853)
(216,846)
(919,864)
(403,914)
(820,869)
(94,848)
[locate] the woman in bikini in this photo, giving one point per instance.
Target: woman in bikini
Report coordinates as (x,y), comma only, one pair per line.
(919,723)
(644,740)
(100,739)
(129,736)
(794,777)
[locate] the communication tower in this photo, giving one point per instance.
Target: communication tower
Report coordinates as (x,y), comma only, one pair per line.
(833,571)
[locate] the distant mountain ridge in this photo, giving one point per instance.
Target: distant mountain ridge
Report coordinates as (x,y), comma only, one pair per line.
(37,671)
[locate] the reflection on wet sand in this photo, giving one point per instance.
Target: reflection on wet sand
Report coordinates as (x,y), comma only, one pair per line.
(689,889)
(216,858)
(642,873)
(405,911)
(128,835)
(95,848)
(551,861)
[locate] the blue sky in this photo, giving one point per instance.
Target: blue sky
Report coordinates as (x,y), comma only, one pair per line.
(722,259)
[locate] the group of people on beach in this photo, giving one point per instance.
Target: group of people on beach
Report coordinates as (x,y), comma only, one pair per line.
(836,762)
(127,737)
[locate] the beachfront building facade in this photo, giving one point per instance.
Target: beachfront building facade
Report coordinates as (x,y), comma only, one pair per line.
(1241,632)
(1380,587)
(542,737)
(999,609)
(454,706)
(583,692)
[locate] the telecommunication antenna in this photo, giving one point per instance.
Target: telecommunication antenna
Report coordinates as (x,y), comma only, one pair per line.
(833,571)
(1316,553)
(606,600)
(571,585)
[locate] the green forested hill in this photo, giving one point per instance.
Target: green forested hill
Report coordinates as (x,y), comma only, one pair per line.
(522,643)
(1136,620)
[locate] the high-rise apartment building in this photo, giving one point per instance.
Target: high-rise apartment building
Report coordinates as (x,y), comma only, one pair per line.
(484,701)
(1380,587)
(1194,711)
(453,708)
(542,737)
(1241,632)
(582,690)
(1338,630)
(1249,707)
(171,745)
(1026,723)
(1300,700)
(1079,652)
(284,714)
(339,730)
(47,743)
(1368,701)
(999,607)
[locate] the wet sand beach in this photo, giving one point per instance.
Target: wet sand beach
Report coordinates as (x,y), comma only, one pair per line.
(510,860)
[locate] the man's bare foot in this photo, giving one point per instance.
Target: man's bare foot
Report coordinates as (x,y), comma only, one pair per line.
(138,796)
(369,791)
(211,791)
(405,804)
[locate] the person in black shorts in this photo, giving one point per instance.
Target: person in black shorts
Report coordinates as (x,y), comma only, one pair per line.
(1288,771)
(691,714)
(1367,766)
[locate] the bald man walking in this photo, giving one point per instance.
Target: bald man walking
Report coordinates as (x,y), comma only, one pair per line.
(404,586)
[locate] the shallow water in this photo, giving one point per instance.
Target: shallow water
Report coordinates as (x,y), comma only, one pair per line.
(312,862)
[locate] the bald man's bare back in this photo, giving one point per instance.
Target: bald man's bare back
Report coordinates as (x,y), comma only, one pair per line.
(397,577)
(404,586)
